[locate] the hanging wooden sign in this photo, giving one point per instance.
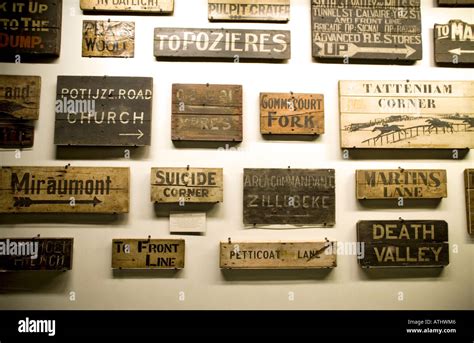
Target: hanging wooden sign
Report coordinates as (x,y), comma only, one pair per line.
(64,190)
(406,114)
(231,45)
(129,6)
(249,10)
(367,30)
(407,243)
(401,183)
(36,254)
(16,135)
(187,185)
(469,183)
(277,255)
(456,2)
(453,43)
(291,114)
(19,97)
(206,112)
(108,38)
(30,28)
(289,196)
(103,111)
(148,254)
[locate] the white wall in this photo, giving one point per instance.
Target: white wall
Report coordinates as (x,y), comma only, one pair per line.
(203,284)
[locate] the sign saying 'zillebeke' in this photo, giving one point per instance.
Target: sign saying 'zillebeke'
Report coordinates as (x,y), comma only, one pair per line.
(64,190)
(103,110)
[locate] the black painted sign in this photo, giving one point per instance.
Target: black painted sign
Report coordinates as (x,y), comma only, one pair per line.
(454,43)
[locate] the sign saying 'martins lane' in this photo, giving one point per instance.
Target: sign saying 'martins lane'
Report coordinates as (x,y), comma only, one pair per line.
(64,190)
(146,6)
(108,38)
(454,43)
(249,10)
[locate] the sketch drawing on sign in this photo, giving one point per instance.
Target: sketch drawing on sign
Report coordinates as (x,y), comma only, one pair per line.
(108,38)
(454,43)
(469,184)
(249,10)
(154,7)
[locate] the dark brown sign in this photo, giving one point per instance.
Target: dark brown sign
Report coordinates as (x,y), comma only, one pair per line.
(249,10)
(453,43)
(206,112)
(290,196)
(103,111)
(30,28)
(469,183)
(129,6)
(108,38)
(456,2)
(19,97)
(16,135)
(367,30)
(408,243)
(36,254)
(231,45)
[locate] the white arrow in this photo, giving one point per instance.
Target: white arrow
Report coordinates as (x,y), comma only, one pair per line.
(458,51)
(139,134)
(353,49)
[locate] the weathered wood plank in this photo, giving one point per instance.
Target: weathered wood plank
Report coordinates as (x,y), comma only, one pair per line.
(456,2)
(469,183)
(453,43)
(410,243)
(108,38)
(401,183)
(103,111)
(64,190)
(277,255)
(223,44)
(16,135)
(407,114)
(183,185)
(291,113)
(148,253)
(289,196)
(249,10)
(44,254)
(19,97)
(149,6)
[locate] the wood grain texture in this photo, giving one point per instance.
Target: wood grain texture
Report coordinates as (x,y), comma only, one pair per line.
(16,135)
(148,253)
(277,255)
(249,10)
(64,190)
(291,114)
(456,2)
(406,114)
(19,97)
(108,38)
(150,7)
(453,43)
(469,184)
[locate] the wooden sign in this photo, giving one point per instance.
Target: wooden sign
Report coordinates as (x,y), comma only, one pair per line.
(30,28)
(401,183)
(108,38)
(36,254)
(408,243)
(249,10)
(367,30)
(456,2)
(291,114)
(206,113)
(129,6)
(148,254)
(407,114)
(281,255)
(230,45)
(453,43)
(290,196)
(19,97)
(469,183)
(64,190)
(16,135)
(187,185)
(103,111)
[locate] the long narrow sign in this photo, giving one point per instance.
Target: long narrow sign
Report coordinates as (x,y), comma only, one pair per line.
(129,6)
(456,2)
(249,10)
(469,184)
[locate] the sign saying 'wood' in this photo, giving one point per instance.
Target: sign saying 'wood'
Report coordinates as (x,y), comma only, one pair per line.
(249,10)
(145,6)
(469,184)
(108,38)
(64,190)
(453,43)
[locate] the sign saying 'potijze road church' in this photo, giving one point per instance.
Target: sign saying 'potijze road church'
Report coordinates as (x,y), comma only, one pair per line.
(388,30)
(290,196)
(454,43)
(403,243)
(108,38)
(107,111)
(64,190)
(249,10)
(146,6)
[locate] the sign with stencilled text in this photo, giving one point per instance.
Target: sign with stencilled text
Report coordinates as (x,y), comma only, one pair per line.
(225,44)
(249,10)
(16,135)
(277,255)
(469,184)
(187,185)
(30,28)
(403,243)
(148,253)
(144,6)
(108,38)
(406,114)
(206,112)
(401,183)
(367,30)
(64,190)
(103,111)
(454,43)
(52,254)
(291,113)
(19,97)
(456,2)
(289,196)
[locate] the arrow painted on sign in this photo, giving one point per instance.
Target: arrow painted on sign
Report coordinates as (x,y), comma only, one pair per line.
(459,51)
(139,134)
(27,202)
(353,49)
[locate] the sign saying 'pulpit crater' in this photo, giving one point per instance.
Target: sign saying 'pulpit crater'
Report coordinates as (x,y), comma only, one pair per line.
(249,10)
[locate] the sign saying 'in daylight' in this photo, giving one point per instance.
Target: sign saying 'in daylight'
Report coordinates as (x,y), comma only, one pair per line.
(145,6)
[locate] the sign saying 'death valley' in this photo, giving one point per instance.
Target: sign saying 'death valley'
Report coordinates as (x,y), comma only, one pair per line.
(403,243)
(64,190)
(290,196)
(406,114)
(103,111)
(154,7)
(249,10)
(454,43)
(108,38)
